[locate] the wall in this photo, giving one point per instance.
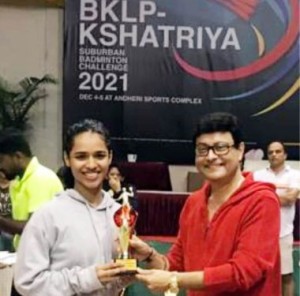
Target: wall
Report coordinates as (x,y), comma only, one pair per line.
(32,45)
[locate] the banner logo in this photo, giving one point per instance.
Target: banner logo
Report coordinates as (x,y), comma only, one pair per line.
(286,49)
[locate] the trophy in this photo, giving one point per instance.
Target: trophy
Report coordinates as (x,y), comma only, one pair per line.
(125,219)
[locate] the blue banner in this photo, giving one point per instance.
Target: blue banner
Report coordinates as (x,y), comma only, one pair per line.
(150,69)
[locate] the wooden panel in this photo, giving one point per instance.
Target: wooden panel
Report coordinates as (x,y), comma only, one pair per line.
(147,175)
(34,3)
(159,212)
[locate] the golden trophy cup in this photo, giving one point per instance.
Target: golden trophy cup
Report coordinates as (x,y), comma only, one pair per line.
(125,219)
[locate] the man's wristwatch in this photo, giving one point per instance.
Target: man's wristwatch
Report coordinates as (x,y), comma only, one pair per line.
(173,286)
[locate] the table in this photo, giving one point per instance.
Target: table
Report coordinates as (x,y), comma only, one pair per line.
(159,212)
(6,278)
(147,175)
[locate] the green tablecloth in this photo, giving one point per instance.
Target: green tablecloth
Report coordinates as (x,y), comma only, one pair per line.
(138,289)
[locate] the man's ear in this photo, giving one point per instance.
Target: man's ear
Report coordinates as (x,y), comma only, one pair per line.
(242,150)
(18,155)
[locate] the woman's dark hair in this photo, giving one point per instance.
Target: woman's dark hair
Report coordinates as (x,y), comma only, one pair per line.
(86,125)
(117,166)
(66,177)
(219,122)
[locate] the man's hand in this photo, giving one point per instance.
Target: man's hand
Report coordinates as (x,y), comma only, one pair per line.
(11,226)
(287,196)
(139,249)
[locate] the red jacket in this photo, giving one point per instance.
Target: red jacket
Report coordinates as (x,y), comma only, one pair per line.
(238,250)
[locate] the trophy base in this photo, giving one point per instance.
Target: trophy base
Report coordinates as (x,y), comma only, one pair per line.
(129,264)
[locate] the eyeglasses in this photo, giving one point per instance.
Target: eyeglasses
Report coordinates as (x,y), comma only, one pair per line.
(219,148)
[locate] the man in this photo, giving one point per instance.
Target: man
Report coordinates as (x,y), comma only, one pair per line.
(32,185)
(227,242)
(287,182)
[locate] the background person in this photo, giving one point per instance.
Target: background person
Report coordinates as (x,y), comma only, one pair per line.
(74,236)
(5,211)
(5,201)
(115,184)
(287,182)
(32,184)
(227,242)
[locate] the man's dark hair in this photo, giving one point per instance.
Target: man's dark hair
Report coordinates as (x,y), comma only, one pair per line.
(12,140)
(219,122)
(275,141)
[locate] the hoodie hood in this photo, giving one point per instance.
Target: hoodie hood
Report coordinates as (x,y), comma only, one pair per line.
(247,189)
(106,203)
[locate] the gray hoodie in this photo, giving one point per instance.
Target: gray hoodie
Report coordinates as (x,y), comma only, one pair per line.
(61,245)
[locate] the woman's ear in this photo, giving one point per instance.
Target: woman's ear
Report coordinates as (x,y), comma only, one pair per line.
(66,159)
(110,156)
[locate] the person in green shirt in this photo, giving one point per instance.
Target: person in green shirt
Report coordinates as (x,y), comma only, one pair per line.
(32,184)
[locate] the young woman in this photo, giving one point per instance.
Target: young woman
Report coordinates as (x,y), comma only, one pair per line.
(68,245)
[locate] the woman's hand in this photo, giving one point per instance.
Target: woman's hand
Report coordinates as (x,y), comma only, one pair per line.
(109,272)
(115,184)
(139,249)
(155,280)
